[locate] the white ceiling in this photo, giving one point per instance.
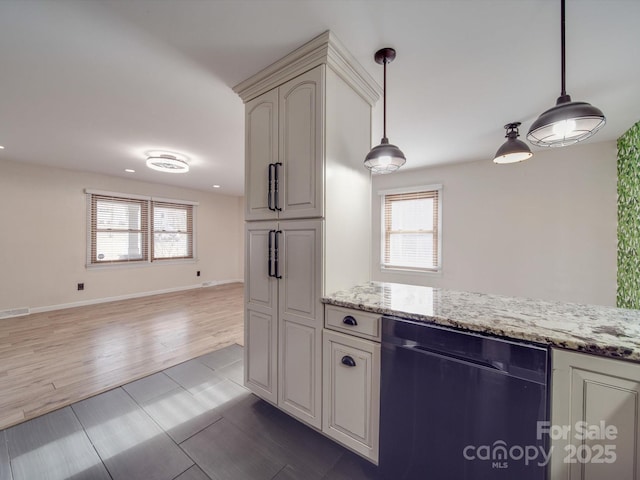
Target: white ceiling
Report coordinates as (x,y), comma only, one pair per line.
(91,84)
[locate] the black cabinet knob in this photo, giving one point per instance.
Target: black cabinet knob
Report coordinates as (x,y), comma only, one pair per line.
(348,361)
(349,320)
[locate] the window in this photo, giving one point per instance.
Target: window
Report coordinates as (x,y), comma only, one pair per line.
(118,229)
(137,229)
(411,229)
(172,231)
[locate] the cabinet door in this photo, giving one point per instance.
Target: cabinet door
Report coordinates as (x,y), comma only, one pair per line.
(261,150)
(261,314)
(605,395)
(351,398)
(300,312)
(302,145)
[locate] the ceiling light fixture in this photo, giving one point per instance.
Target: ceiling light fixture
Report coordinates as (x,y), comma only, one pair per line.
(167,162)
(568,122)
(513,150)
(384,158)
(129,170)
(216,186)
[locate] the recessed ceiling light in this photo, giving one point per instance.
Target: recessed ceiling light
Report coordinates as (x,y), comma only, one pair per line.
(129,170)
(167,162)
(216,186)
(1,147)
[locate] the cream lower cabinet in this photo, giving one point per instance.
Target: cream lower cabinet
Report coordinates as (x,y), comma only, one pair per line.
(261,312)
(283,317)
(595,420)
(351,392)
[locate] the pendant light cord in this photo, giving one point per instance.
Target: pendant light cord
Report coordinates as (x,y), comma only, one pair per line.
(384,100)
(562,55)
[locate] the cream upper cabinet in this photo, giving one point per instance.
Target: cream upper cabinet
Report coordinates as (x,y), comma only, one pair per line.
(284,150)
(595,418)
(261,153)
(301,145)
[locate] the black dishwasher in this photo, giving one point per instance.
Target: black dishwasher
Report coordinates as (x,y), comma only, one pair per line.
(461,406)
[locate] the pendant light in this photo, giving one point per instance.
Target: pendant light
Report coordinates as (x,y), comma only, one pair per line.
(384,158)
(513,150)
(568,122)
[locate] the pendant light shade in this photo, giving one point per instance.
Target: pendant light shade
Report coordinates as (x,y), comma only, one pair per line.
(568,122)
(384,158)
(513,150)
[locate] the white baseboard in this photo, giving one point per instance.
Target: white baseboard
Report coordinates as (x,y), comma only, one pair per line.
(96,301)
(14,312)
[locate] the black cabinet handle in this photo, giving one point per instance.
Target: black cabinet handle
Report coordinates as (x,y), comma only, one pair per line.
(270,254)
(348,361)
(276,254)
(276,186)
(272,167)
(349,320)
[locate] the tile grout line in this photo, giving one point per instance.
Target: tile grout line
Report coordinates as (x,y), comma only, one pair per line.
(6,442)
(90,441)
(340,457)
(194,465)
(280,471)
(158,424)
(179,387)
(179,445)
(195,433)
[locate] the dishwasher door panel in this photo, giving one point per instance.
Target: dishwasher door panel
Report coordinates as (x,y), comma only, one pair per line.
(445,418)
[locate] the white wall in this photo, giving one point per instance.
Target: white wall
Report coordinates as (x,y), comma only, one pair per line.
(544,228)
(43,235)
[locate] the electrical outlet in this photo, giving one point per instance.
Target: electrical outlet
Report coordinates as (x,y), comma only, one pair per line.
(198,273)
(80,286)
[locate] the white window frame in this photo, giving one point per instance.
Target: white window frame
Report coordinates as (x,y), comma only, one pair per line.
(153,230)
(149,234)
(409,269)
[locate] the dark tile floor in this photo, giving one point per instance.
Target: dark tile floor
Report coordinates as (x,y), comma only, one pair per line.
(193,421)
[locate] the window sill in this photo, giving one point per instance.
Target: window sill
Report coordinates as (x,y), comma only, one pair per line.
(124,265)
(411,271)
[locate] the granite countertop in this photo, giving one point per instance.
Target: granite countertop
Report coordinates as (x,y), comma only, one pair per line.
(608,331)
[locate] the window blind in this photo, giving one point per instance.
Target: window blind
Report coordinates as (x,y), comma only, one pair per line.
(126,228)
(172,230)
(118,230)
(411,230)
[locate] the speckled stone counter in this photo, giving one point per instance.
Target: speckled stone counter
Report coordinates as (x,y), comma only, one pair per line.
(608,331)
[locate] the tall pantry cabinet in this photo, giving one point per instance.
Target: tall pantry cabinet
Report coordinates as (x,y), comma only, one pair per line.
(307,212)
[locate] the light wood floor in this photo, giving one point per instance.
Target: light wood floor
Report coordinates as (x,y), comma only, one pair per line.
(53,359)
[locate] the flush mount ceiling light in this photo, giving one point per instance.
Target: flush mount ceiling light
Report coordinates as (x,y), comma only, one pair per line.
(568,122)
(384,158)
(167,162)
(513,150)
